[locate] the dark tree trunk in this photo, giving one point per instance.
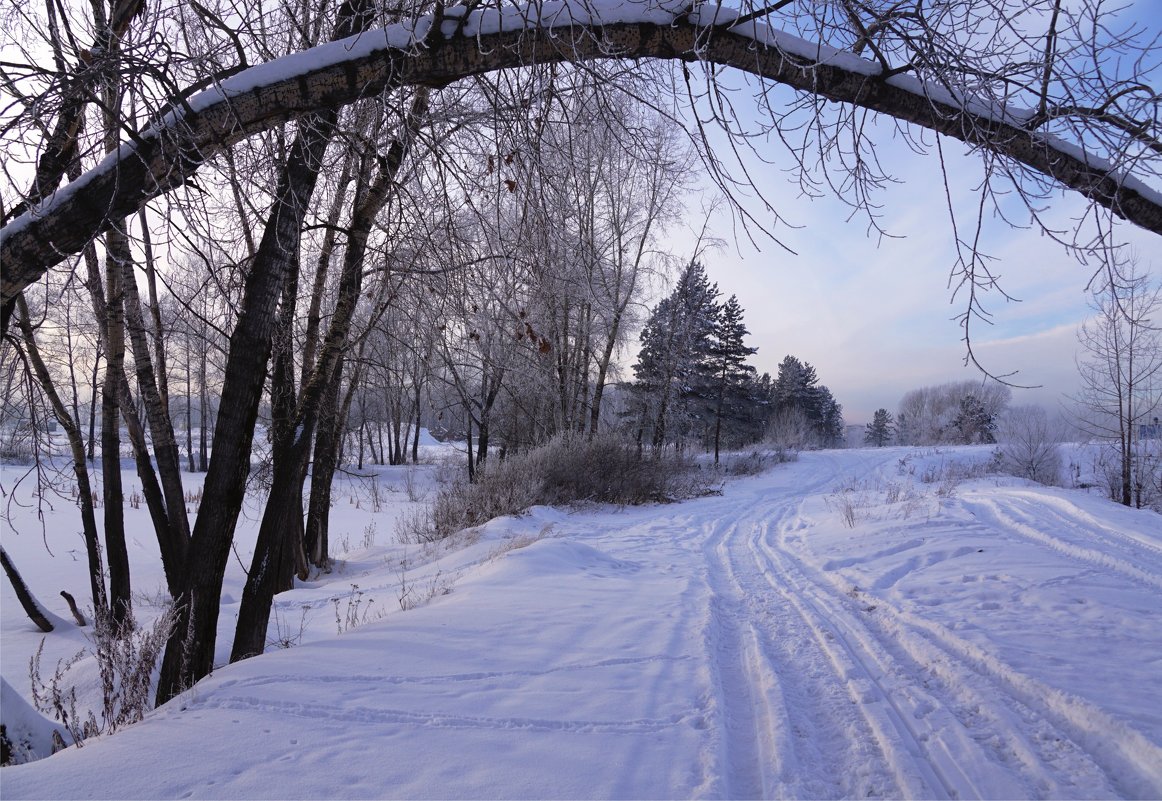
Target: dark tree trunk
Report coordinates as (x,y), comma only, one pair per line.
(27,601)
(120,591)
(416,433)
(280,537)
(471,463)
(322,473)
(95,388)
(361,434)
(189,412)
(159,332)
(167,501)
(189,653)
(203,413)
(273,569)
(80,465)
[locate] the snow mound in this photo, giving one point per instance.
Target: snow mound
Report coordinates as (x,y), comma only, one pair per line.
(29,733)
(563,557)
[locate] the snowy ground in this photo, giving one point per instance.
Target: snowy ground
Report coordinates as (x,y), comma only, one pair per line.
(836,627)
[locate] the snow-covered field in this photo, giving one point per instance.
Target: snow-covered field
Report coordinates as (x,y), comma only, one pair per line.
(835,627)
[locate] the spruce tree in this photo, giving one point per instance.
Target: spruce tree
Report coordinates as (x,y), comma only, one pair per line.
(798,395)
(829,424)
(672,368)
(879,431)
(974,422)
(731,374)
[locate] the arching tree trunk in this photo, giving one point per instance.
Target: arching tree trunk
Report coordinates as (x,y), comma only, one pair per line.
(158,162)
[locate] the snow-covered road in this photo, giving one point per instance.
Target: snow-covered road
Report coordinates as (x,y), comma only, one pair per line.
(864,692)
(855,624)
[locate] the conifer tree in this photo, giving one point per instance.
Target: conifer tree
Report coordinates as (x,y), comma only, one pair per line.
(829,425)
(672,366)
(728,355)
(974,423)
(798,394)
(880,430)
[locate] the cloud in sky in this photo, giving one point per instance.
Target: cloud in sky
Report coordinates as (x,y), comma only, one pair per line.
(878,316)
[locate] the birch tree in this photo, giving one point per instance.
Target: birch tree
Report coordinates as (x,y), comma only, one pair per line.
(1121,371)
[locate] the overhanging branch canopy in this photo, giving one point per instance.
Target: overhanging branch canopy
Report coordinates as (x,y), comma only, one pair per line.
(459,43)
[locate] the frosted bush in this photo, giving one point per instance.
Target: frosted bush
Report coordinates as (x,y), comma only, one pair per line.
(567,469)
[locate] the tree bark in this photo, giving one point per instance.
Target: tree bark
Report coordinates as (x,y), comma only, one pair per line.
(120,590)
(80,464)
(280,539)
(326,459)
(167,505)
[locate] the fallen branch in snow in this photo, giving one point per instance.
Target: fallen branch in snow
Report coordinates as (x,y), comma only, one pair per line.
(72,602)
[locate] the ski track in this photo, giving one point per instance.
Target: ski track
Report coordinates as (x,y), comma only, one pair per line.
(809,670)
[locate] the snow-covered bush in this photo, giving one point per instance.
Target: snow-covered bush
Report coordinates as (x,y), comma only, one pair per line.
(1030,444)
(566,469)
(948,474)
(755,462)
(789,432)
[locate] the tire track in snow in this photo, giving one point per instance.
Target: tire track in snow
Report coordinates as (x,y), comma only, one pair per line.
(1131,764)
(968,725)
(1062,745)
(900,718)
(791,727)
(1037,519)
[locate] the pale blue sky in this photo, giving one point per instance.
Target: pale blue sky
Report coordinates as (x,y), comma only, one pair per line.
(875,316)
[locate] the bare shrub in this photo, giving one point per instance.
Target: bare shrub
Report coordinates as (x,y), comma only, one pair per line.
(519,541)
(411,483)
(852,500)
(755,462)
(285,634)
(848,508)
(51,696)
(356,611)
(564,470)
(790,431)
(948,475)
(126,657)
(413,594)
(1030,443)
